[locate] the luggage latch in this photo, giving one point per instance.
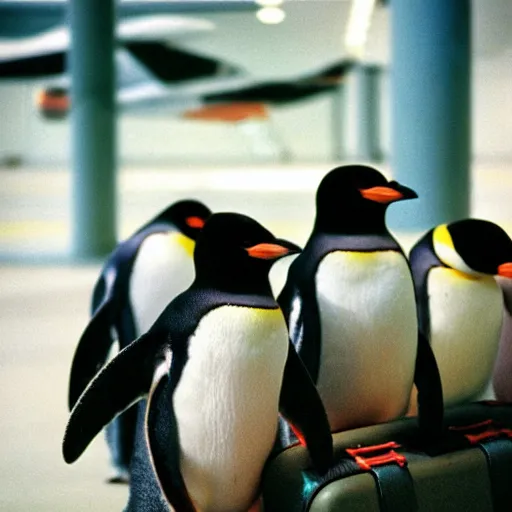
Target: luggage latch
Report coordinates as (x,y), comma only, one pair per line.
(482,431)
(365,461)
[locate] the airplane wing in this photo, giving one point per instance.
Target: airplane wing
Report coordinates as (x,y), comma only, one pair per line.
(273,93)
(45,54)
(172,65)
(282,92)
(332,74)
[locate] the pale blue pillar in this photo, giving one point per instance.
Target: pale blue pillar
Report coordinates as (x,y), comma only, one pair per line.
(430,114)
(93,127)
(368,113)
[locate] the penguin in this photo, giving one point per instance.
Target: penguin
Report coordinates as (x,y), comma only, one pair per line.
(460,305)
(350,307)
(217,366)
(502,372)
(138,280)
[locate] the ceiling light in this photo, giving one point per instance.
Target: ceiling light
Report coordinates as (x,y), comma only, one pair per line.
(357,27)
(271,15)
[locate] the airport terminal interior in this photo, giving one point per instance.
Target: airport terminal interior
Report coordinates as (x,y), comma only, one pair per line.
(264,159)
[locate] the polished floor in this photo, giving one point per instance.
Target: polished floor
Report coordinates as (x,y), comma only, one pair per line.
(44,300)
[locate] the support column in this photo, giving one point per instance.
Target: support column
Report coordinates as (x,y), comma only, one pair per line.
(430,86)
(338,122)
(368,113)
(93,127)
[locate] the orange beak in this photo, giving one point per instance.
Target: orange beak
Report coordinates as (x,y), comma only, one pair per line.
(505,270)
(383,195)
(388,194)
(195,222)
(272,251)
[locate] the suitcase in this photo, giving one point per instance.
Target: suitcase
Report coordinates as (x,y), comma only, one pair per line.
(387,468)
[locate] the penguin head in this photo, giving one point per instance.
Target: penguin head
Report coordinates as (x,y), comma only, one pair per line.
(189,216)
(474,247)
(354,198)
(235,253)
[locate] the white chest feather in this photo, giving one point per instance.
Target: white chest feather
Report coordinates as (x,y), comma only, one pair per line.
(465,323)
(163,269)
(226,404)
(369,336)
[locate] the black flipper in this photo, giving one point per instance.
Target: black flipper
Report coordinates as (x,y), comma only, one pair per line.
(422,259)
(163,441)
(92,351)
(430,391)
(122,382)
(301,406)
(102,291)
(291,304)
(303,323)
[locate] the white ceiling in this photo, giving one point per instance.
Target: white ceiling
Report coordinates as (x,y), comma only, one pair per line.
(312,34)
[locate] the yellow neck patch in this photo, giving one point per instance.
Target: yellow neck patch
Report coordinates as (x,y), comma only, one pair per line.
(442,237)
(187,243)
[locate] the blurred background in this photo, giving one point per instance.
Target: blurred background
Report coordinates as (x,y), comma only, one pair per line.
(244,105)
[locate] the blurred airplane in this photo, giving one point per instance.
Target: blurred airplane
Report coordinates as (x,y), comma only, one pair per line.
(158,80)
(241,100)
(156,77)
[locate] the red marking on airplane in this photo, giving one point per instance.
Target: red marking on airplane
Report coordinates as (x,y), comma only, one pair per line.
(232,112)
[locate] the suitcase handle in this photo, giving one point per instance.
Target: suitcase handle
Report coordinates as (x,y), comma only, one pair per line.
(367,463)
(489,430)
